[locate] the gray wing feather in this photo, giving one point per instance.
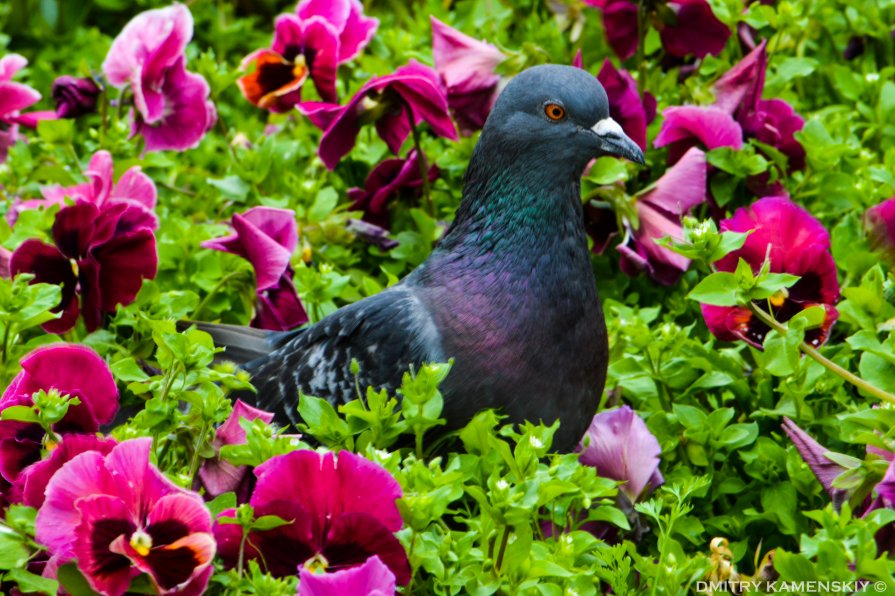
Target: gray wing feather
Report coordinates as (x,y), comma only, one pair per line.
(385,333)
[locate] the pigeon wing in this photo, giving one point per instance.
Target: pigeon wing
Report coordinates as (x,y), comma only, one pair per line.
(386,334)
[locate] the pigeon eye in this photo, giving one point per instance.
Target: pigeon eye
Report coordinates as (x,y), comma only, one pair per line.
(555,111)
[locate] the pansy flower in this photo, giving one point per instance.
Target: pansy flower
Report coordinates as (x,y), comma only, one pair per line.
(118,516)
(15,97)
(659,212)
(389,179)
(795,243)
(880,223)
(217,475)
(266,237)
(373,578)
(685,27)
(341,511)
(383,101)
(134,189)
(770,121)
(621,447)
(695,126)
(70,369)
(626,107)
(300,50)
(101,254)
(172,106)
(347,18)
(467,70)
(74,96)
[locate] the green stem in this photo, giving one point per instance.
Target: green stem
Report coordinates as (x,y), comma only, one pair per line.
(194,462)
(240,562)
(831,366)
(217,288)
(640,57)
(503,548)
(104,117)
(420,158)
(5,346)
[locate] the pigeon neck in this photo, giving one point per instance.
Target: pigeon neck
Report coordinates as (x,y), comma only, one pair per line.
(511,203)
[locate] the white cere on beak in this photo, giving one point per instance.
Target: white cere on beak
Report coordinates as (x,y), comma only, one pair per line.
(608,127)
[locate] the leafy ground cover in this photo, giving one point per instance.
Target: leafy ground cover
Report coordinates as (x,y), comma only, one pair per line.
(264,163)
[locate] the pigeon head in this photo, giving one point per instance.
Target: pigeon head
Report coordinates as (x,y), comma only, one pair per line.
(555,117)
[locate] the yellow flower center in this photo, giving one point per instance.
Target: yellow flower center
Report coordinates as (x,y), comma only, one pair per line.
(318,564)
(141,542)
(779,297)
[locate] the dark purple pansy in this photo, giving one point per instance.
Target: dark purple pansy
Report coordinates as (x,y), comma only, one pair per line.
(301,49)
(15,97)
(218,476)
(770,121)
(693,126)
(74,96)
(101,254)
(266,237)
(659,212)
(693,28)
(118,516)
(343,513)
(625,105)
(172,109)
(795,243)
(880,223)
(467,69)
(620,446)
(388,180)
(383,101)
(373,578)
(70,369)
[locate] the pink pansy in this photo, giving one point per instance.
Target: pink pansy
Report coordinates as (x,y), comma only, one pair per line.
(373,578)
(467,69)
(266,237)
(691,126)
(15,97)
(301,49)
(218,476)
(74,96)
(796,243)
(695,29)
(620,446)
(770,121)
(33,480)
(344,513)
(346,17)
(625,105)
(385,101)
(134,189)
(387,180)
(113,249)
(118,516)
(70,369)
(172,106)
(659,213)
(880,223)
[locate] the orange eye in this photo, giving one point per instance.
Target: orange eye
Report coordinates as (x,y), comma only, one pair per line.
(555,111)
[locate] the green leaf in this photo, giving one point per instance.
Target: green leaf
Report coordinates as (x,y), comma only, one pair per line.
(29,582)
(719,289)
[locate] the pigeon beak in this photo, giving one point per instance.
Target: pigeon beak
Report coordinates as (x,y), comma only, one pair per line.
(614,141)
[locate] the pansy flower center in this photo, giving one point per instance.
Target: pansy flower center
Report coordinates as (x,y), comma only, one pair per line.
(317,564)
(141,542)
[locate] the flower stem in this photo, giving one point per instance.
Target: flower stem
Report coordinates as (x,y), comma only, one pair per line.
(831,366)
(641,46)
(217,288)
(503,548)
(194,462)
(420,158)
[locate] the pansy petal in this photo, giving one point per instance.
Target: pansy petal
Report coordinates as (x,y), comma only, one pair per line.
(124,262)
(104,520)
(334,12)
(689,126)
(741,86)
(373,578)
(620,446)
(136,186)
(10,64)
(696,31)
(15,97)
(279,308)
(813,454)
(357,33)
(355,537)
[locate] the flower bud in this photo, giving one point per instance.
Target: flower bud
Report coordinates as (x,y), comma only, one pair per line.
(74,97)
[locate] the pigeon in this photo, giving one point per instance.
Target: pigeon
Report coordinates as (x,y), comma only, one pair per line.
(508,293)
